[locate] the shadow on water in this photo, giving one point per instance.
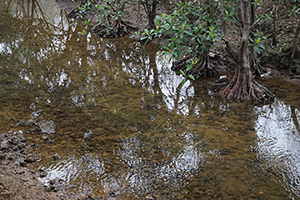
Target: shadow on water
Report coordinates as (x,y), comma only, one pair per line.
(187,144)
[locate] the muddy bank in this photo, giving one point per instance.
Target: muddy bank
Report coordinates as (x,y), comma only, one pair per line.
(16,180)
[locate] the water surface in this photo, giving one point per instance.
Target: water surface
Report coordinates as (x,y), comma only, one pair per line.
(192,145)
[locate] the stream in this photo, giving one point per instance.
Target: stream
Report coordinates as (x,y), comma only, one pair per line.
(187,143)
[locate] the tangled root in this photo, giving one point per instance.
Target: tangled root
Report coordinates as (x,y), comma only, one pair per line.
(117,29)
(202,68)
(244,88)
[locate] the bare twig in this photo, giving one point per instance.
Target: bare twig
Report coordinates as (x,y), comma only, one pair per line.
(229,48)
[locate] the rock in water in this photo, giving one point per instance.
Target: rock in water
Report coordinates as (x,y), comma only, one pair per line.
(47,126)
(56,156)
(87,136)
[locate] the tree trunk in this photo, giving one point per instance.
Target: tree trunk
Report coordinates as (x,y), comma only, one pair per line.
(152,14)
(242,86)
(295,47)
(150,9)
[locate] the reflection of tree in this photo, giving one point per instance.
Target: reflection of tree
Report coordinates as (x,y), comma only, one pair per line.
(294,117)
(30,28)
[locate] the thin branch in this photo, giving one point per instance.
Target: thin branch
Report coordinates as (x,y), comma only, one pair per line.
(259,19)
(241,14)
(229,48)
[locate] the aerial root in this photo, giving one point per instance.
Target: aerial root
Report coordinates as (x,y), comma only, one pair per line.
(202,68)
(243,88)
(117,29)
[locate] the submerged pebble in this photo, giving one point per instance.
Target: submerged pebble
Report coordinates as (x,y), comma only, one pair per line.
(87,136)
(47,126)
(56,156)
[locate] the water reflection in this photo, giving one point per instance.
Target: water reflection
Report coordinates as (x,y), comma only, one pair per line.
(191,146)
(279,142)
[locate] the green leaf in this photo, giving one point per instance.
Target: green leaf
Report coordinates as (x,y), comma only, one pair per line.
(182,72)
(183,81)
(189,67)
(166,48)
(165,53)
(188,33)
(183,26)
(261,45)
(256,49)
(257,40)
(164,15)
(192,77)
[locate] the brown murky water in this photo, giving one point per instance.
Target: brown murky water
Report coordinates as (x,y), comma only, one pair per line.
(192,145)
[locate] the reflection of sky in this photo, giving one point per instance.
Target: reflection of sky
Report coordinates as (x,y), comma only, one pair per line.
(53,13)
(279,142)
(137,171)
(74,170)
(169,82)
(173,169)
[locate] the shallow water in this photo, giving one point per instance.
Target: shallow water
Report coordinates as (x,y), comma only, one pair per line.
(192,145)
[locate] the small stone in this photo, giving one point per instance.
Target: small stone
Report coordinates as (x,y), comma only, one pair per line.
(45,137)
(47,188)
(25,179)
(4,144)
(22,123)
(2,156)
(55,181)
(17,138)
(21,145)
(52,187)
(47,126)
(20,171)
(5,162)
(50,142)
(56,156)
(43,174)
(32,106)
(56,189)
(30,159)
(23,163)
(15,148)
(14,140)
(6,195)
(87,136)
(32,184)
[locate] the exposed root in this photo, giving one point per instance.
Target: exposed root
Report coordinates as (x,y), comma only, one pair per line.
(202,68)
(74,12)
(243,88)
(256,68)
(113,30)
